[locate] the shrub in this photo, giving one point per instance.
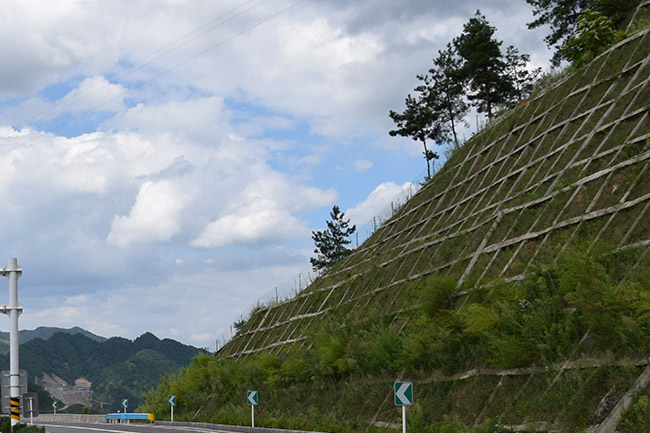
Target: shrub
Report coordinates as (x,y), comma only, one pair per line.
(637,418)
(5,427)
(437,293)
(594,34)
(479,319)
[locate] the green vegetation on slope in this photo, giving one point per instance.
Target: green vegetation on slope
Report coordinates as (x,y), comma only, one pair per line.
(580,308)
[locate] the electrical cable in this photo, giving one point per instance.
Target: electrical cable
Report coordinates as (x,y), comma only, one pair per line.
(126,71)
(155,77)
(56,89)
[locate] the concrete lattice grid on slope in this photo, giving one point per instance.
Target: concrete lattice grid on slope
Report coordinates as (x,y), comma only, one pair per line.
(568,158)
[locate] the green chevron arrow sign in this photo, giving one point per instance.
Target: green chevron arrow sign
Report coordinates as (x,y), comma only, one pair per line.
(403,393)
(251,398)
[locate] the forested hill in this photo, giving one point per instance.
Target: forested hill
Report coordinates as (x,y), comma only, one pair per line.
(117,367)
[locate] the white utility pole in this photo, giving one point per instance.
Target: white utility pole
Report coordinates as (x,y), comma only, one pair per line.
(13,310)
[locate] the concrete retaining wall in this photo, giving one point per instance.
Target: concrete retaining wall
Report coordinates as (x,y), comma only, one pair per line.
(68,417)
(45,418)
(231,428)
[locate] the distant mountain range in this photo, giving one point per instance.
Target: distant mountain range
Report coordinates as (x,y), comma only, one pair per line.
(46,332)
(118,368)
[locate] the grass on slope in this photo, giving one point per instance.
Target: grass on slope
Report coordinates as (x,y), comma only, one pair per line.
(577,310)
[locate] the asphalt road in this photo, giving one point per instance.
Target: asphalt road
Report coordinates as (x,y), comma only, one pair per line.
(52,427)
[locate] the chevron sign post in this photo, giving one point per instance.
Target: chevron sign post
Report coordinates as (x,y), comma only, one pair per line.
(403,393)
(251,400)
(403,397)
(172,402)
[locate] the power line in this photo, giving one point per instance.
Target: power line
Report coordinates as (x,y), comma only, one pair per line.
(126,71)
(155,77)
(115,44)
(166,71)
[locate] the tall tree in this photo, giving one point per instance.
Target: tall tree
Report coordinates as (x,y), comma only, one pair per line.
(446,92)
(483,64)
(523,79)
(420,122)
(331,242)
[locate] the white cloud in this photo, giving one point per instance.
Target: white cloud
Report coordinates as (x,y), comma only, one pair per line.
(260,124)
(203,120)
(291,71)
(93,93)
(153,217)
(261,222)
(286,193)
(378,202)
(208,300)
(198,339)
(362,165)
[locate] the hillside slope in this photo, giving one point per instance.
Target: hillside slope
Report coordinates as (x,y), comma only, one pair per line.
(513,285)
(569,164)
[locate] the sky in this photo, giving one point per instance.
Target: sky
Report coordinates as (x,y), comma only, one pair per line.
(163,163)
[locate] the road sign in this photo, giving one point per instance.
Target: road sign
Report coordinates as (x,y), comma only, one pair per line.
(251,398)
(29,404)
(6,388)
(172,402)
(125,403)
(403,393)
(54,404)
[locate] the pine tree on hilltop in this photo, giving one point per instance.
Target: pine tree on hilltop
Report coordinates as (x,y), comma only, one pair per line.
(483,66)
(446,93)
(420,122)
(331,242)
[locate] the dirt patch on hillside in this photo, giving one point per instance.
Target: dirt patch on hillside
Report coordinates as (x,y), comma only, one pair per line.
(80,393)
